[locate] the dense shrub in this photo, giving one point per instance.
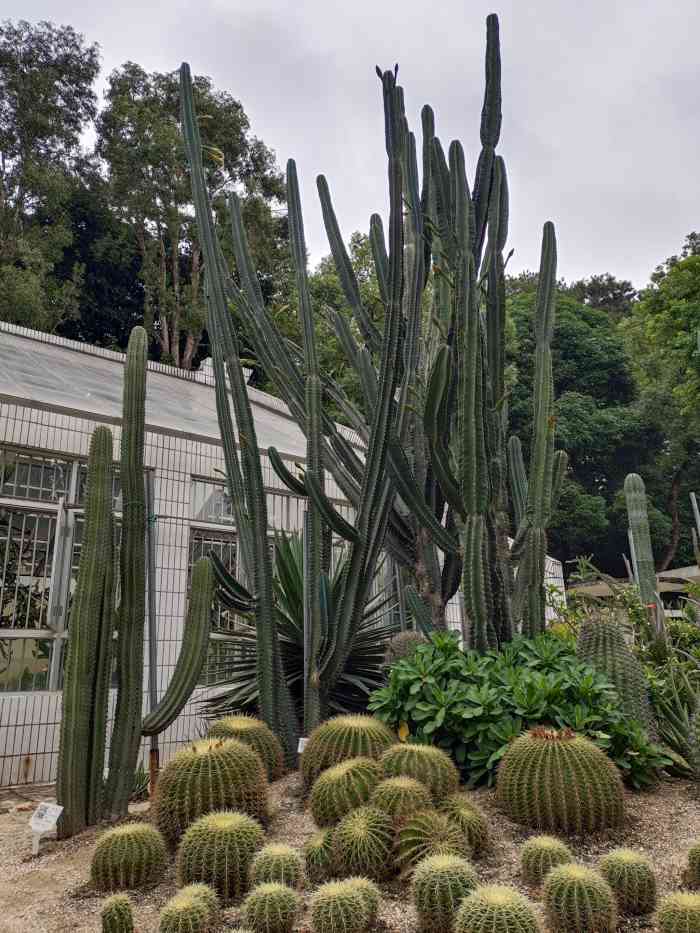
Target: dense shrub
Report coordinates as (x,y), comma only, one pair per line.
(473,705)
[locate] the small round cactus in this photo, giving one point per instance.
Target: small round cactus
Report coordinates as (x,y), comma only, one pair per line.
(496,908)
(211,774)
(469,818)
(559,781)
(342,906)
(318,856)
(278,862)
(271,908)
(369,892)
(194,909)
(343,788)
(578,898)
(400,797)
(362,844)
(116,915)
(218,850)
(258,735)
(540,855)
(429,833)
(691,876)
(425,763)
(440,883)
(631,876)
(128,856)
(340,738)
(679,913)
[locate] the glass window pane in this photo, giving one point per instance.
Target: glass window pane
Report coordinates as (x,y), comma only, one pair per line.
(26,554)
(30,476)
(24,663)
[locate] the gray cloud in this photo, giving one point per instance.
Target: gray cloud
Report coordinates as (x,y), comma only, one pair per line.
(600,129)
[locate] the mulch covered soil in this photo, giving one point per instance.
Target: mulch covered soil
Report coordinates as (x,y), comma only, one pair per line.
(51,893)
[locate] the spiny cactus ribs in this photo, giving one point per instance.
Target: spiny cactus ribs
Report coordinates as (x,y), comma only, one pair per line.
(429,833)
(349,906)
(361,844)
(208,775)
(462,811)
(271,908)
(496,908)
(439,884)
(578,898)
(217,850)
(401,797)
(194,909)
(278,862)
(601,643)
(318,856)
(539,855)
(425,763)
(116,915)
(559,781)
(403,645)
(341,738)
(631,876)
(258,735)
(343,788)
(679,913)
(129,856)
(692,872)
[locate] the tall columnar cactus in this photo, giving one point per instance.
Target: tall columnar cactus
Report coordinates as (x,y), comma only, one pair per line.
(88,660)
(93,622)
(643,557)
(601,643)
(547,468)
(126,731)
(244,470)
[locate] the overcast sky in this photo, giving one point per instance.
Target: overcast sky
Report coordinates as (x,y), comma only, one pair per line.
(601,121)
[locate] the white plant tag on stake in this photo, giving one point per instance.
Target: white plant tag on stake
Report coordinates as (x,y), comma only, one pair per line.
(43,820)
(302,745)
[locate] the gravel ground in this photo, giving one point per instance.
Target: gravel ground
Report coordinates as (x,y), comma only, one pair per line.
(51,893)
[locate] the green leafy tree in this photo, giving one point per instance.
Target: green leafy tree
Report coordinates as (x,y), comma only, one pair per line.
(139,141)
(46,74)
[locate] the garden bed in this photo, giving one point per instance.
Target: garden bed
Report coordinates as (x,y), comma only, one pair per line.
(51,894)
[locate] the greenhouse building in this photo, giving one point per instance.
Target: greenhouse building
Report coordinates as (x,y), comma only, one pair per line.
(53,393)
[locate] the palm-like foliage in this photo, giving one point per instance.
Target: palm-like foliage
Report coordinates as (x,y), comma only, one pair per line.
(236,687)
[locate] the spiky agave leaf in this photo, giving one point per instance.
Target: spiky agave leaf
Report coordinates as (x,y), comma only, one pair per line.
(363,670)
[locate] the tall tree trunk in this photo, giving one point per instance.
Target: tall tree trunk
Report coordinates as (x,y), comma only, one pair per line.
(672,506)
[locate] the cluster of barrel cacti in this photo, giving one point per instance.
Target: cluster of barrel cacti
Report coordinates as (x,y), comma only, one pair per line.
(81,789)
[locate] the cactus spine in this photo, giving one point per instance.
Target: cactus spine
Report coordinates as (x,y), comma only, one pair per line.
(540,855)
(428,764)
(631,876)
(361,844)
(271,908)
(318,856)
(496,908)
(278,862)
(343,788)
(194,909)
(429,833)
(255,733)
(88,661)
(116,915)
(679,913)
(343,905)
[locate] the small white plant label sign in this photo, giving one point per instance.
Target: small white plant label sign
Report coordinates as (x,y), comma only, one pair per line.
(302,745)
(43,820)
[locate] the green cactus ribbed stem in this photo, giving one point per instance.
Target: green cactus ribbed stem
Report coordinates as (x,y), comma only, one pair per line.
(530,546)
(126,732)
(133,855)
(88,658)
(116,915)
(636,501)
(275,699)
(193,651)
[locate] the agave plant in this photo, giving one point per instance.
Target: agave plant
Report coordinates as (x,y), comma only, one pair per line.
(235,683)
